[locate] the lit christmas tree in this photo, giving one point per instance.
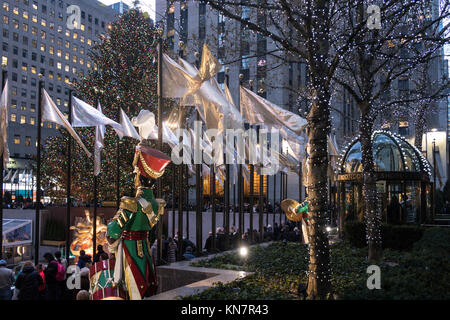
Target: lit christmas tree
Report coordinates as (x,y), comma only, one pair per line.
(124,75)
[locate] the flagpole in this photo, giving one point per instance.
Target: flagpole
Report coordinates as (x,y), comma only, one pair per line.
(160,135)
(69,179)
(213,203)
(186,169)
(174,174)
(274,199)
(4,76)
(180,178)
(226,211)
(199,195)
(94,230)
(38,173)
(261,205)
(240,180)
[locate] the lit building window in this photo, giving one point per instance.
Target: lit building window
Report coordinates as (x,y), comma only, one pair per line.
(25,15)
(16,10)
(4,60)
(16,139)
(32,121)
(28,141)
(5,6)
(13,117)
(34,18)
(23,119)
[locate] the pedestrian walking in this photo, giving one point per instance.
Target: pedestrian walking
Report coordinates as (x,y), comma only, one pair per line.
(6,281)
(28,282)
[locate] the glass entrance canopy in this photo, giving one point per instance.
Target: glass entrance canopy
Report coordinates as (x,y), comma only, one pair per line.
(17,232)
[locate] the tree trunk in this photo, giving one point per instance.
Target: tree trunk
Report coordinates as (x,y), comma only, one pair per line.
(419,125)
(371,210)
(318,47)
(319,280)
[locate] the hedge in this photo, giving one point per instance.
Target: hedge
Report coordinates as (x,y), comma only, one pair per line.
(422,273)
(393,236)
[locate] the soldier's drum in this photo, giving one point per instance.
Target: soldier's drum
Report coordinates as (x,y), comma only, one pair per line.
(101,282)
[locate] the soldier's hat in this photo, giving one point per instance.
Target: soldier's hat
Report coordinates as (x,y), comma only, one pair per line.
(150,162)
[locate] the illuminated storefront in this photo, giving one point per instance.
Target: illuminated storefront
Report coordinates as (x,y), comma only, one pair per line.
(403,180)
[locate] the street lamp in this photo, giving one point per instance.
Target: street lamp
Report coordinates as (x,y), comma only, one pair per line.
(243,251)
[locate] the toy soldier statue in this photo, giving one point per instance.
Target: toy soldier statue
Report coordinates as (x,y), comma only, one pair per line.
(297,212)
(128,232)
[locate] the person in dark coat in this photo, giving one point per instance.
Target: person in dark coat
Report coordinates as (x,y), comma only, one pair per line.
(83,259)
(208,243)
(220,240)
(98,253)
(28,282)
(50,277)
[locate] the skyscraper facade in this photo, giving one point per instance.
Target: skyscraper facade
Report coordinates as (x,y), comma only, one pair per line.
(52,38)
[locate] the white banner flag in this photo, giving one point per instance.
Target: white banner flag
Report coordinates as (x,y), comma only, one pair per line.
(128,129)
(51,113)
(145,121)
(4,104)
(85,115)
(257,110)
(99,144)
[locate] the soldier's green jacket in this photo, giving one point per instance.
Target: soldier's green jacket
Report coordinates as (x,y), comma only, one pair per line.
(132,216)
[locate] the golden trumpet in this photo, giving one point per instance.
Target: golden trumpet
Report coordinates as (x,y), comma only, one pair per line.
(289,207)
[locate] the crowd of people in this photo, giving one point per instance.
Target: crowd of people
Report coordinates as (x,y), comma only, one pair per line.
(47,282)
(287,231)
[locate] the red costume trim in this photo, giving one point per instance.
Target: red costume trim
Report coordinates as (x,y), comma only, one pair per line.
(143,286)
(135,235)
